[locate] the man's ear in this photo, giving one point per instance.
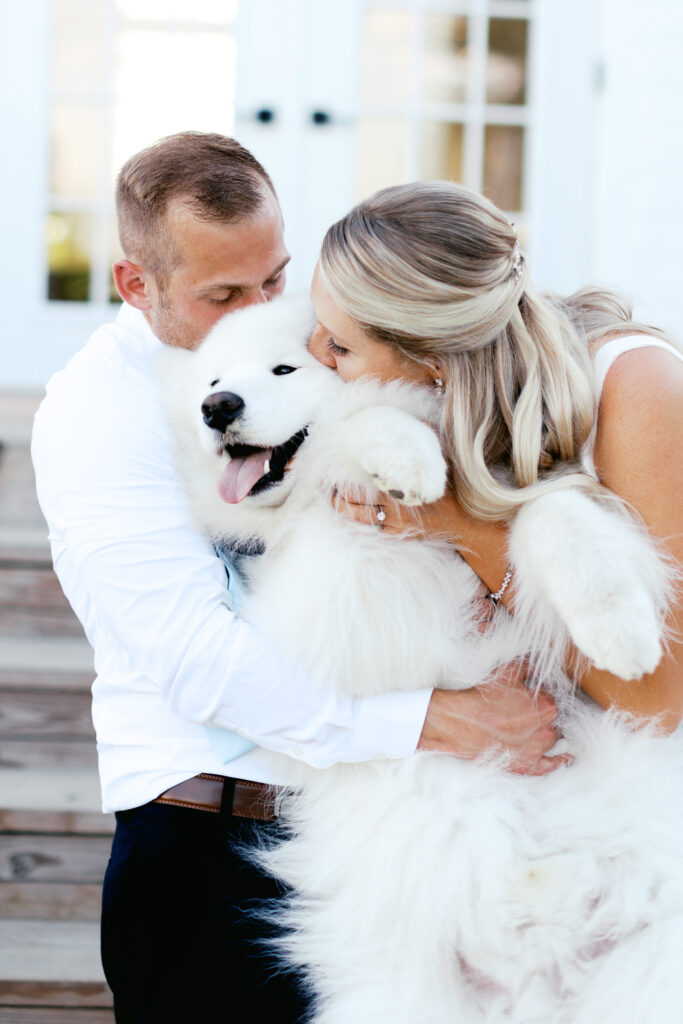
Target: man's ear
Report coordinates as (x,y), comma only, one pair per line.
(131,284)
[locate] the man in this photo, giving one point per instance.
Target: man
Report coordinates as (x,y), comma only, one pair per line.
(195,712)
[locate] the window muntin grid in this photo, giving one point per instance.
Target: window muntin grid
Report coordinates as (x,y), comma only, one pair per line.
(463,105)
(122,71)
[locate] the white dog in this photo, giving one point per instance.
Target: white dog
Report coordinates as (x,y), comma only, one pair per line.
(432,890)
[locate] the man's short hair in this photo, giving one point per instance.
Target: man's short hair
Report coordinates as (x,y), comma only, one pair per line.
(213,175)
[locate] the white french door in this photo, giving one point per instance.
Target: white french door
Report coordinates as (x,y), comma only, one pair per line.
(349,98)
(336,98)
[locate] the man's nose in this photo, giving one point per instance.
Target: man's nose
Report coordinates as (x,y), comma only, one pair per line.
(317,346)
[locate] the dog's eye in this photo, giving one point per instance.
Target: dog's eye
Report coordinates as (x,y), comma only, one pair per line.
(214,382)
(280,370)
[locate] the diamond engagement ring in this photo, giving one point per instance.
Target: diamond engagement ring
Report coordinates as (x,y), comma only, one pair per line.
(380,516)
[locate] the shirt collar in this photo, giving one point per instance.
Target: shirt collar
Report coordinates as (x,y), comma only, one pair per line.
(135,323)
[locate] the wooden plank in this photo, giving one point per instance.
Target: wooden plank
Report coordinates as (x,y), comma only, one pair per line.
(55,993)
(18,499)
(54,1015)
(17,409)
(33,622)
(51,963)
(31,587)
(58,790)
(32,602)
(24,544)
(37,713)
(49,662)
(61,822)
(48,754)
(61,901)
(39,678)
(53,858)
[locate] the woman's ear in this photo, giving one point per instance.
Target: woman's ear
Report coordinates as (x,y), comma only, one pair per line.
(131,284)
(437,374)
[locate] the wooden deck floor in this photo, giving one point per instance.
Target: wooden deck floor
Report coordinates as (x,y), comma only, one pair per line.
(54,840)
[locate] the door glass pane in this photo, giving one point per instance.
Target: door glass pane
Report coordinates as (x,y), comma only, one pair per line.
(507,61)
(387,68)
(78,28)
(503,153)
(76,147)
(383,153)
(445,58)
(441,151)
(68,240)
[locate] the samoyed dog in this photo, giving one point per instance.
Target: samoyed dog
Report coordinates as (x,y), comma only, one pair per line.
(431,890)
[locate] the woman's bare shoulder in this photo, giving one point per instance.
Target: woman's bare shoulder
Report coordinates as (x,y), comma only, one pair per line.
(639,382)
(639,442)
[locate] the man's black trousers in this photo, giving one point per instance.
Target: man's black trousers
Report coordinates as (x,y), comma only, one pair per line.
(182,929)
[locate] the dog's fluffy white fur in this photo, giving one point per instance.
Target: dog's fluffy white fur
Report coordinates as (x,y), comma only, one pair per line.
(429,889)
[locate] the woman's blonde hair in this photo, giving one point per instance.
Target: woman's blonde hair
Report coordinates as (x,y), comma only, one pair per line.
(435,270)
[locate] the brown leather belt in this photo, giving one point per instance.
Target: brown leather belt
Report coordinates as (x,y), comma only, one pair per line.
(210,792)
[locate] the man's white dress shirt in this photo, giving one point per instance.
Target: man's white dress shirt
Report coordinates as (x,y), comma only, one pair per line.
(183,685)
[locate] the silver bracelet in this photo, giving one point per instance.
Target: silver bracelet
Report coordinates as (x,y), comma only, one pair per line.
(495,598)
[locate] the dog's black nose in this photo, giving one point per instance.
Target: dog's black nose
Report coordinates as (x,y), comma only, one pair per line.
(221,409)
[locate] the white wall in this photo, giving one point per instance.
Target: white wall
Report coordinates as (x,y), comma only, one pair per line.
(639,158)
(562,186)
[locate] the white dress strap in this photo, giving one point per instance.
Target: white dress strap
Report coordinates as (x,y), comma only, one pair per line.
(610,352)
(602,361)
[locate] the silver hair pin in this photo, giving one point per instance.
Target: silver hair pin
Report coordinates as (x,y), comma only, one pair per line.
(517,261)
(517,257)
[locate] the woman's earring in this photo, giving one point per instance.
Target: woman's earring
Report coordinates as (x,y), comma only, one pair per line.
(438,384)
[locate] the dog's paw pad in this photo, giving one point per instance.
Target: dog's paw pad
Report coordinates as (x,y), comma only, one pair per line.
(412,474)
(629,646)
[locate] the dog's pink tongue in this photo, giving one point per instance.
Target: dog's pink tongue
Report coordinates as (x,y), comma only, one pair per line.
(240,475)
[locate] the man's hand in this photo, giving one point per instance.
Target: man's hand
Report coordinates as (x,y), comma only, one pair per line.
(502,716)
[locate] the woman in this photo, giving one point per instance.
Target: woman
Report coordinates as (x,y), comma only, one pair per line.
(426,282)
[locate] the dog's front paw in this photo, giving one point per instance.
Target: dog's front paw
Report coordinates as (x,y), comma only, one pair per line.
(600,574)
(403,458)
(623,636)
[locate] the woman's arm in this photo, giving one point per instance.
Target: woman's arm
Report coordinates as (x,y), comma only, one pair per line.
(639,456)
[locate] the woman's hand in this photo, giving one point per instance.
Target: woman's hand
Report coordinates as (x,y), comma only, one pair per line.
(483,545)
(436,521)
(503,716)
